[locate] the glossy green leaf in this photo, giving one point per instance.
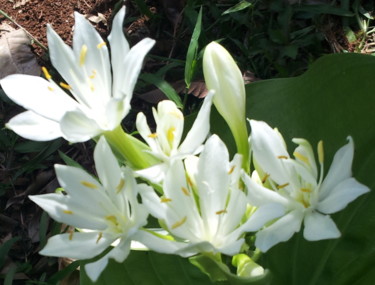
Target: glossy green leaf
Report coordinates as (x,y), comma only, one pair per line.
(164,86)
(149,268)
(333,99)
(192,53)
(238,7)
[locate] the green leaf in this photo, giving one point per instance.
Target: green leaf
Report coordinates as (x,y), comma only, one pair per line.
(333,99)
(4,249)
(191,57)
(164,86)
(242,5)
(145,268)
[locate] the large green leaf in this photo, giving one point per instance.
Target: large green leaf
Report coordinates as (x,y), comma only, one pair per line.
(149,268)
(333,99)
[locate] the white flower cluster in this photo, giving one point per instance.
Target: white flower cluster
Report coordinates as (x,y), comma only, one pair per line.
(205,202)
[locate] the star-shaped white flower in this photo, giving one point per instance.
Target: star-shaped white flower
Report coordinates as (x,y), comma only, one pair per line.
(165,143)
(106,212)
(203,206)
(101,87)
(298,185)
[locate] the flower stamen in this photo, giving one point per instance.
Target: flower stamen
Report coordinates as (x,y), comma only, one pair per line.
(282,186)
(301,157)
(46,73)
(179,223)
(102,44)
(185,191)
(282,157)
(89,184)
(82,55)
(65,86)
(165,200)
(120,186)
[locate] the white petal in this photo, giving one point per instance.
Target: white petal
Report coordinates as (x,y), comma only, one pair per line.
(155,173)
(213,177)
(269,151)
(157,244)
(96,61)
(77,245)
(34,127)
(38,95)
(107,167)
(259,195)
(119,253)
(282,230)
(83,188)
(304,148)
(263,215)
(341,168)
(115,111)
(194,248)
(152,202)
(145,132)
(132,64)
(318,227)
(341,195)
(66,210)
(199,131)
(119,49)
(63,59)
(77,127)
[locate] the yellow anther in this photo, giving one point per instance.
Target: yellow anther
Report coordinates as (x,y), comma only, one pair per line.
(265,178)
(301,157)
(92,88)
(89,184)
(120,185)
(93,74)
(68,212)
(179,223)
(99,237)
(231,169)
(185,191)
(112,219)
(170,134)
(82,55)
(306,190)
(305,204)
(46,73)
(71,235)
(188,179)
(320,152)
(50,88)
(221,212)
(65,86)
(99,46)
(165,200)
(282,157)
(153,135)
(282,186)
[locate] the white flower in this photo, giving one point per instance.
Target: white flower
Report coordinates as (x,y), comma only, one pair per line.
(106,212)
(101,95)
(222,75)
(298,185)
(166,143)
(203,206)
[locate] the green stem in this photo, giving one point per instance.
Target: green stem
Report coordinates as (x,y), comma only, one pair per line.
(22,28)
(130,148)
